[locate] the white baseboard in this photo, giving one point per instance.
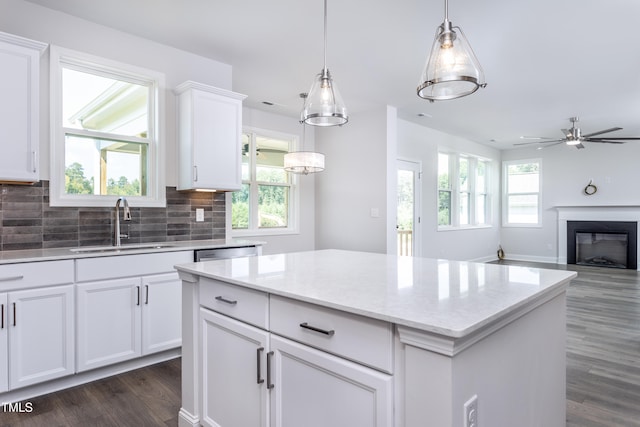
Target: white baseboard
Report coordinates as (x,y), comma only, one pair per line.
(26,393)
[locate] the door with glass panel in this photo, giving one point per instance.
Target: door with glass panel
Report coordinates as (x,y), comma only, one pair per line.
(408,208)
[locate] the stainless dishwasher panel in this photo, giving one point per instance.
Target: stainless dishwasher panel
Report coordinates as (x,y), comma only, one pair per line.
(224,253)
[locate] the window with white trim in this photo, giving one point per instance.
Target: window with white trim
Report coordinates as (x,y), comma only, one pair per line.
(267,202)
(106,135)
(463,191)
(522,191)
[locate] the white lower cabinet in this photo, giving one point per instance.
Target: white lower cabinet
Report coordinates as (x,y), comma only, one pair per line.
(37,336)
(126,318)
(312,388)
(161,313)
(4,345)
(251,377)
(234,384)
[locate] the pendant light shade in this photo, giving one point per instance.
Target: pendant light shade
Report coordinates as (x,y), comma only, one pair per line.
(324,105)
(452,69)
(303,162)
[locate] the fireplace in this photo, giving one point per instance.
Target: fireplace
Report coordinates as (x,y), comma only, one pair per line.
(602,243)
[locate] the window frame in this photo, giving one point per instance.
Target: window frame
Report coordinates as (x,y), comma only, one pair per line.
(471,191)
(506,193)
(66,58)
(293,226)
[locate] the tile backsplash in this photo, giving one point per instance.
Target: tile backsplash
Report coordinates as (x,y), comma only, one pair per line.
(28,222)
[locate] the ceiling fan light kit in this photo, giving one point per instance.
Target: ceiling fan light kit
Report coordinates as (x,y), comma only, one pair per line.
(575,138)
(452,69)
(324,105)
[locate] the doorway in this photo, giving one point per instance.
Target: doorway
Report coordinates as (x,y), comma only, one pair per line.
(408,208)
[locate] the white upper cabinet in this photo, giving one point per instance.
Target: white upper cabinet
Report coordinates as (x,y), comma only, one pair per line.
(19,107)
(209,138)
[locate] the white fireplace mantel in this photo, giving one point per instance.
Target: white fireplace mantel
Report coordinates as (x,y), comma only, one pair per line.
(591,213)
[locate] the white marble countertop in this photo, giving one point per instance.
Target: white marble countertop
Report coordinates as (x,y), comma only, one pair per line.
(451,298)
(31,255)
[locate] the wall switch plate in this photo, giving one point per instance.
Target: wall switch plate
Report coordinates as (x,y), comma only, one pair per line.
(471,412)
(375,213)
(199,215)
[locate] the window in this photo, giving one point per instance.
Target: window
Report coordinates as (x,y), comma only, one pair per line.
(106,135)
(265,205)
(463,195)
(522,192)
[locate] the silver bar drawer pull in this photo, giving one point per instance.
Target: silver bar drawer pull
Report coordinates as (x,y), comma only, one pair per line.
(270,385)
(227,301)
(305,325)
(259,378)
(11,278)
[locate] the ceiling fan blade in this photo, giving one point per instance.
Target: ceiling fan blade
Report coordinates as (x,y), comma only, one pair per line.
(610,138)
(605,141)
(538,142)
(567,132)
(579,146)
(544,147)
(536,137)
(600,132)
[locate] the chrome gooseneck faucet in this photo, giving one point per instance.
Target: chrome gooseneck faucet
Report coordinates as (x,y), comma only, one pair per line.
(126,217)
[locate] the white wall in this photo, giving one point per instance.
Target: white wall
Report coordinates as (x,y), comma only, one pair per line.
(565,172)
(38,23)
(420,143)
(304,240)
(353,183)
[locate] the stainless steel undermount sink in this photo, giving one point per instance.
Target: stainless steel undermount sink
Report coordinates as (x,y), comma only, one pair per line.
(97,249)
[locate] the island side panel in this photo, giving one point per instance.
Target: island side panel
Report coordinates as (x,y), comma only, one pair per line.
(518,374)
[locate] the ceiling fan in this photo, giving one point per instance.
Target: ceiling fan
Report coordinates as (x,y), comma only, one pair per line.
(575,137)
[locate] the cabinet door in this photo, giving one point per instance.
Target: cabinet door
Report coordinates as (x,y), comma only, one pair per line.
(19,107)
(161,313)
(108,322)
(4,345)
(315,389)
(41,335)
(234,385)
(210,127)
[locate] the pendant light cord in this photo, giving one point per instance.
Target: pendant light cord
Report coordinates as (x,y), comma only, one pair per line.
(446,10)
(325,34)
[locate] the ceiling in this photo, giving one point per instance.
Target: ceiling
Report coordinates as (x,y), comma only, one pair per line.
(544,60)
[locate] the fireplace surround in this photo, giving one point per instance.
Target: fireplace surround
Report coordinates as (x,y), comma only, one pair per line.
(591,213)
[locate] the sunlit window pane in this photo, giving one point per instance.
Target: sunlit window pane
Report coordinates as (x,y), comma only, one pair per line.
(105,167)
(99,103)
(273,202)
(240,208)
(270,160)
(522,209)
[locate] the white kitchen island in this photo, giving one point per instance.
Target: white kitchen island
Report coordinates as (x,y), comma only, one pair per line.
(340,338)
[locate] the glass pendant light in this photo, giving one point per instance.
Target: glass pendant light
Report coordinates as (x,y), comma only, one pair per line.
(452,69)
(303,162)
(324,105)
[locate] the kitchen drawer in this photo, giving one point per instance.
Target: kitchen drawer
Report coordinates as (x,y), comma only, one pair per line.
(354,337)
(244,304)
(35,274)
(117,266)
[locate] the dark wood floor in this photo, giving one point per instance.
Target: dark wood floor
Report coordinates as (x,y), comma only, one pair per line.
(146,397)
(603,368)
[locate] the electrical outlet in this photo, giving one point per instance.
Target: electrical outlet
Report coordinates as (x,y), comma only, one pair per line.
(199,215)
(471,412)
